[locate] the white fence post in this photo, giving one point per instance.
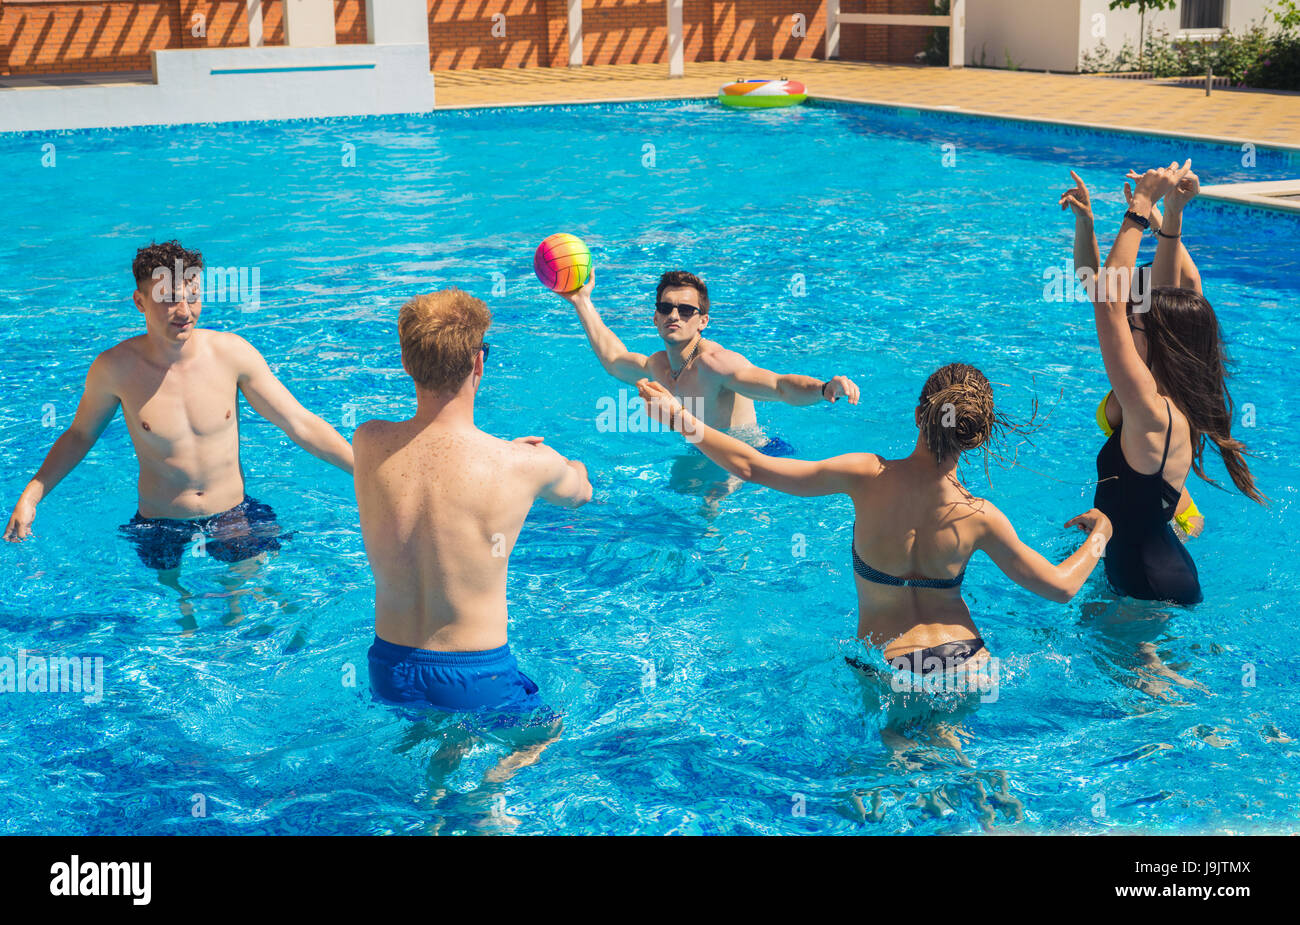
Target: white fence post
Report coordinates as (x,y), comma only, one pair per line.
(575,33)
(832,29)
(255,39)
(676,54)
(957,35)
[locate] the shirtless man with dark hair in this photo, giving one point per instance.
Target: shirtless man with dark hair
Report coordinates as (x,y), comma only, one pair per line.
(178,387)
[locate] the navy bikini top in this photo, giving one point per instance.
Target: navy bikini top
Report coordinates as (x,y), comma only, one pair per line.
(880,578)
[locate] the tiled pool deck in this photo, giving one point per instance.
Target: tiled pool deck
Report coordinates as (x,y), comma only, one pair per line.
(1226,115)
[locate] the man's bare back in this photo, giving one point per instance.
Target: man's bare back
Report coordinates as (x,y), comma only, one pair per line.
(441,505)
(441,509)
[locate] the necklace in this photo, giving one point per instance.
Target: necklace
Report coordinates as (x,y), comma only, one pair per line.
(694,351)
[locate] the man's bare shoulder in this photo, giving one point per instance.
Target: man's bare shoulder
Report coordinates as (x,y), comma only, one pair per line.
(119,361)
(372,429)
(227,344)
(538,459)
(124,353)
(717,359)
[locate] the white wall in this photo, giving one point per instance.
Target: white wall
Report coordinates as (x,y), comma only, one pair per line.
(1053,34)
(1040,35)
(235,85)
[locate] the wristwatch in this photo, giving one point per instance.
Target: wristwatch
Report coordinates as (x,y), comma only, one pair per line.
(1138,219)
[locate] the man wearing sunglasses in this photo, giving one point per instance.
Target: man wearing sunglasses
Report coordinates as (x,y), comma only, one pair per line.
(720,385)
(441,505)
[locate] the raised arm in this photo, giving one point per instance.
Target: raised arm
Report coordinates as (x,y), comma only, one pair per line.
(1087,255)
(1134,386)
(616,359)
(805,478)
(1030,570)
(273,401)
(744,378)
(99,402)
(1173,265)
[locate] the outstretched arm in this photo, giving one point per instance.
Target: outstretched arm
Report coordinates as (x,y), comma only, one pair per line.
(616,359)
(805,478)
(563,481)
(99,403)
(744,378)
(1030,570)
(273,401)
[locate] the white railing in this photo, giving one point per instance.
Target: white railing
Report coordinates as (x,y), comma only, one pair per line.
(954,22)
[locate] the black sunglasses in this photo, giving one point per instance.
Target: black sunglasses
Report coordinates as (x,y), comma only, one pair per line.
(683,311)
(485,347)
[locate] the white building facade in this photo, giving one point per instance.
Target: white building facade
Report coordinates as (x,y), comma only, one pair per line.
(1053,35)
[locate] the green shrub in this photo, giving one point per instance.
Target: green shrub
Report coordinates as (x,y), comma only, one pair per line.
(1279,68)
(1252,58)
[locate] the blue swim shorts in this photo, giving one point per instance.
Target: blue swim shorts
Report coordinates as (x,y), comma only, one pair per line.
(776,447)
(246,530)
(454,682)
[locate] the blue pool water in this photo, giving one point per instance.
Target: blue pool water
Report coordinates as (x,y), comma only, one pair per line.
(697,658)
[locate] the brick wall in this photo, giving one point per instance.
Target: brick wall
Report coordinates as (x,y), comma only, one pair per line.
(897,44)
(118,35)
(496,33)
(534,33)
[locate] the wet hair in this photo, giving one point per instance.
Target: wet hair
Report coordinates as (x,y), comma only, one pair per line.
(441,333)
(956,412)
(1186,357)
(674,278)
(148,260)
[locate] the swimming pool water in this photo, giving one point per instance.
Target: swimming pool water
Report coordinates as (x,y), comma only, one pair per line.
(697,657)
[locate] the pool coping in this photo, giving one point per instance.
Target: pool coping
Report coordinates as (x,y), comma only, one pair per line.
(892,104)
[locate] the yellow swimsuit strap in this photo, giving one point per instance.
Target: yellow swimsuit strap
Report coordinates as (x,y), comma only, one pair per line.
(1101,417)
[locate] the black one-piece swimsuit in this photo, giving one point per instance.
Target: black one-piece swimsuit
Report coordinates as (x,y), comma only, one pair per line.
(1144,558)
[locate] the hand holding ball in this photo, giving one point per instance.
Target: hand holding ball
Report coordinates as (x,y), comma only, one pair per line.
(562,263)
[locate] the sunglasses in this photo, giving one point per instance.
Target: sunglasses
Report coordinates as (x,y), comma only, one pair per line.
(683,311)
(485,347)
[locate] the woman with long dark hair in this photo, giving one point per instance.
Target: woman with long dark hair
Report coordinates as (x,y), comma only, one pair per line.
(1165,360)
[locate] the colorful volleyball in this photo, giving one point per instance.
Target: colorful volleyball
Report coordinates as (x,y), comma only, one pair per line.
(562,263)
(763,94)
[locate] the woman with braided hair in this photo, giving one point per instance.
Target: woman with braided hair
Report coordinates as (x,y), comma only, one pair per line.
(917,526)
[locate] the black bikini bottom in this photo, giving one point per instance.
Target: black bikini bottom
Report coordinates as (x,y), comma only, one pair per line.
(944,657)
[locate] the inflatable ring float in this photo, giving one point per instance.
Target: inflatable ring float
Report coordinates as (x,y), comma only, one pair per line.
(762,94)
